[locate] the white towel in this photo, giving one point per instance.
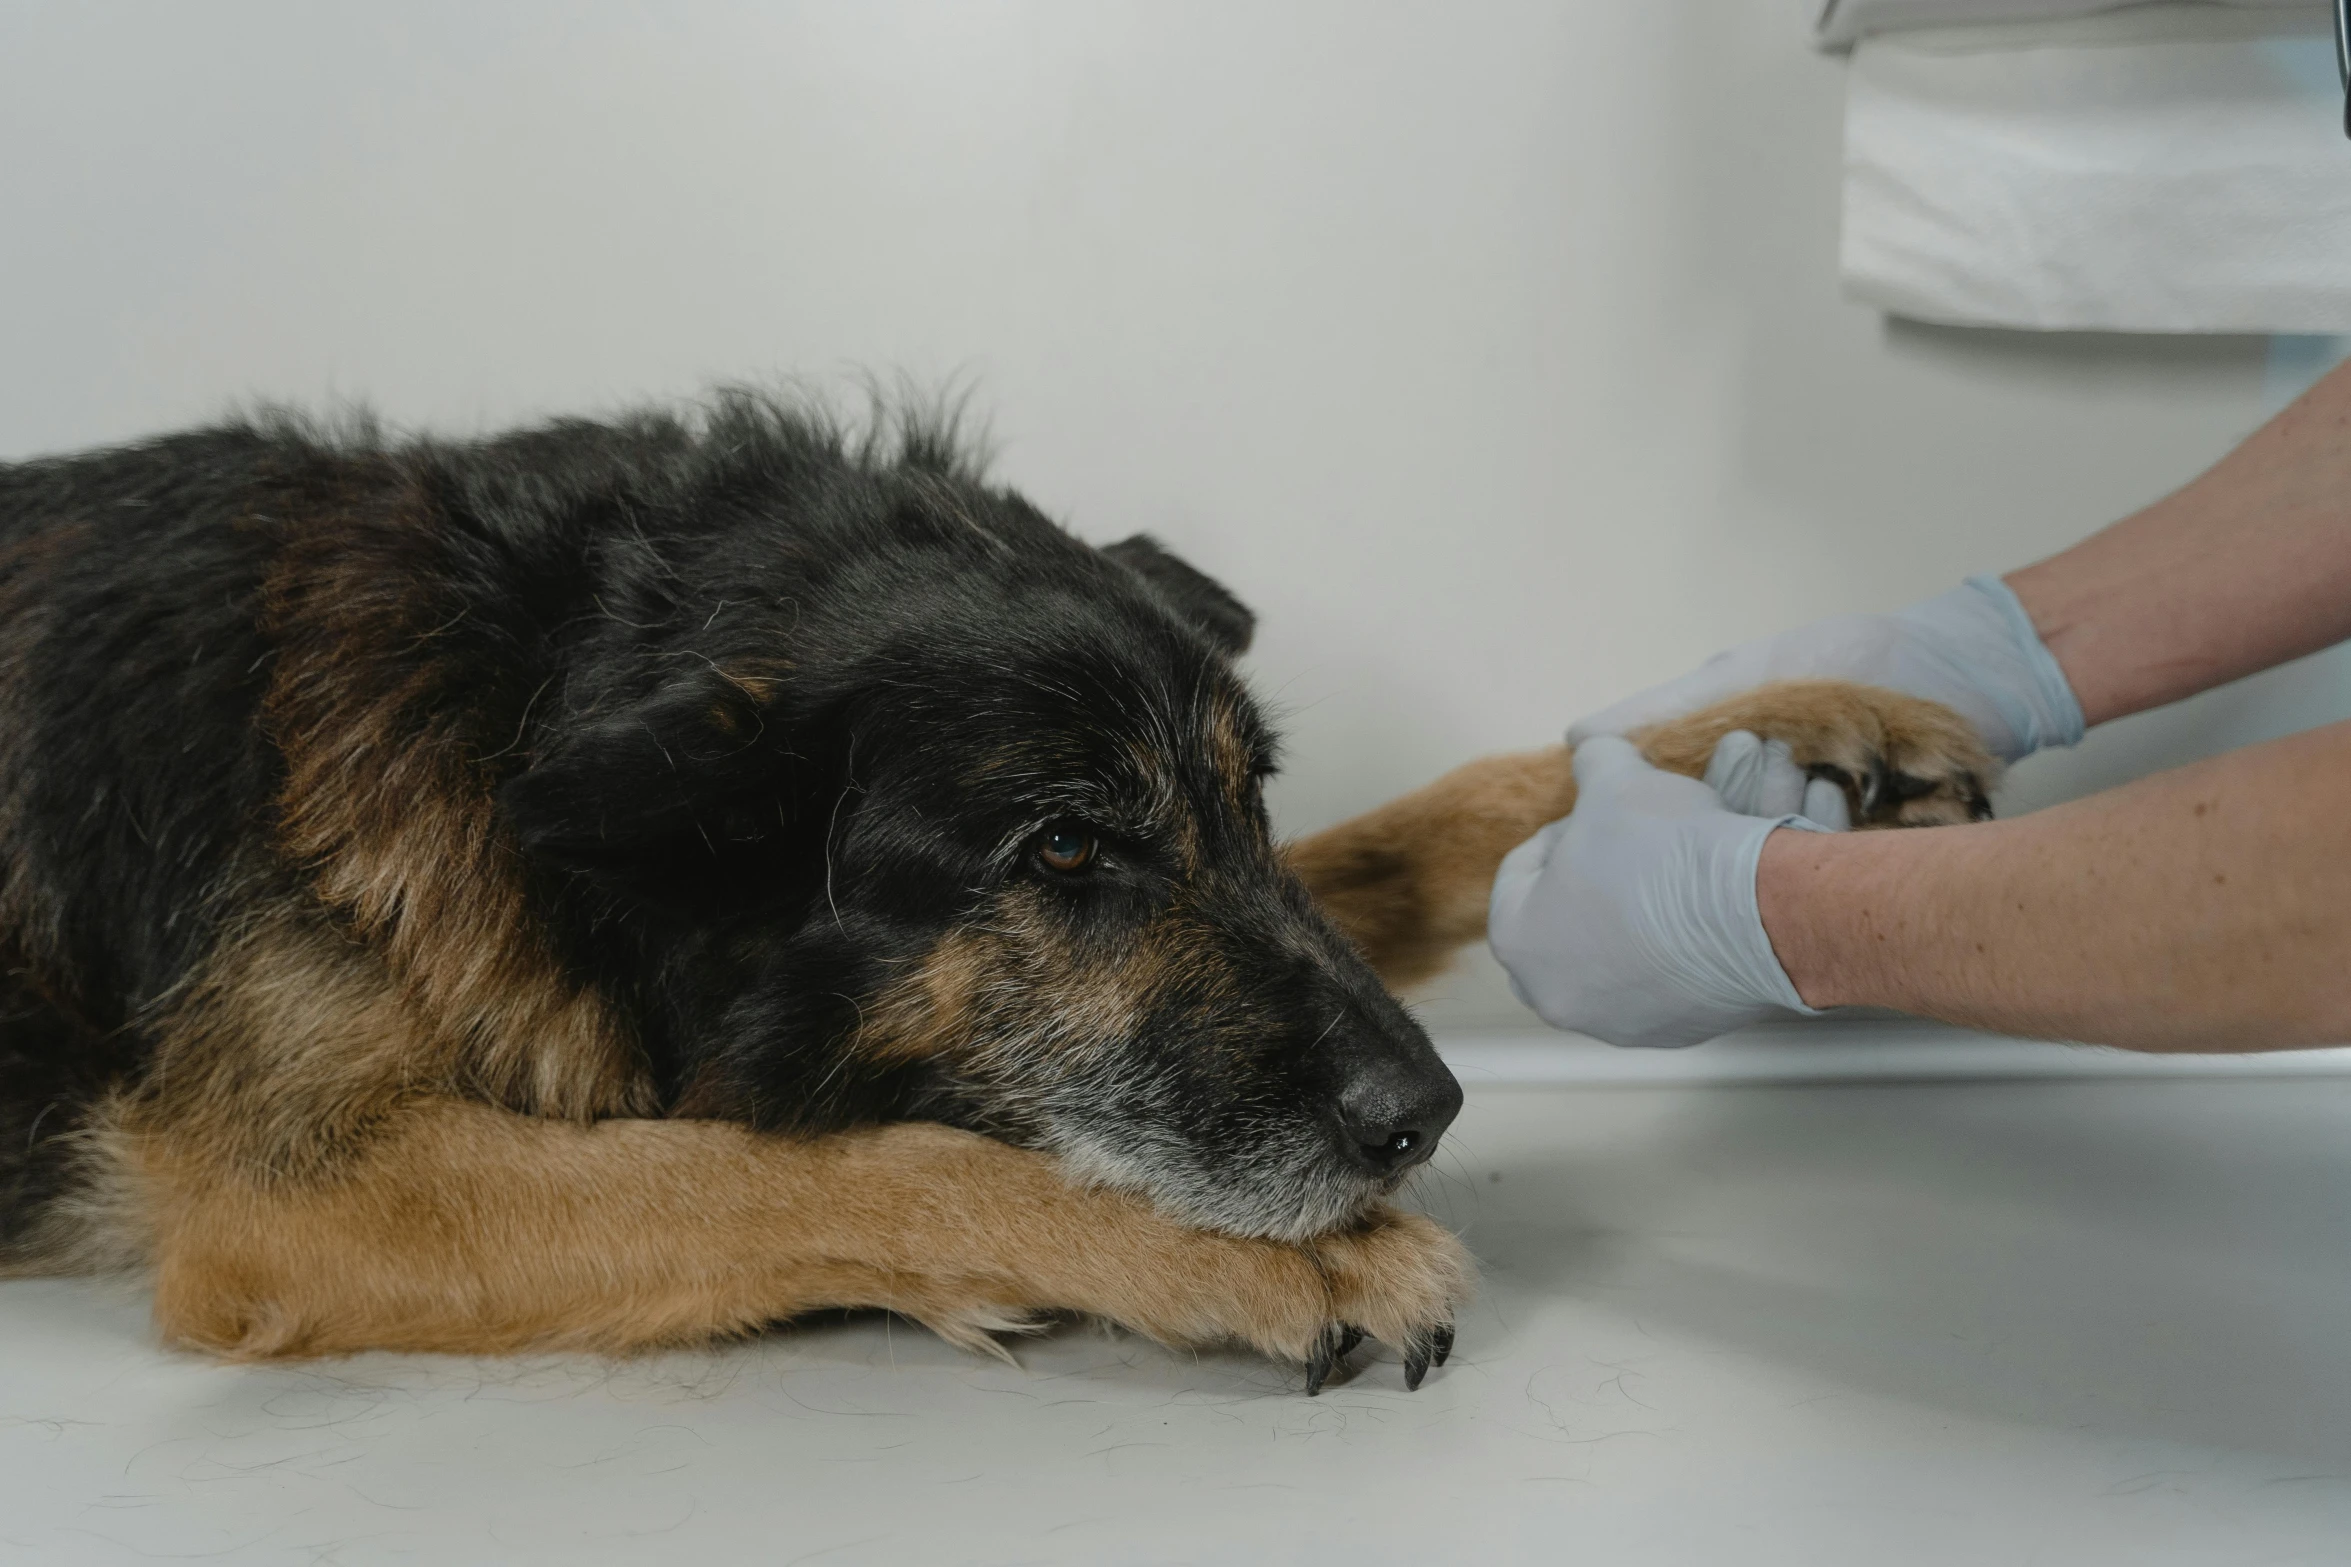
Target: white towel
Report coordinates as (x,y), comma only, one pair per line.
(1844,21)
(2164,168)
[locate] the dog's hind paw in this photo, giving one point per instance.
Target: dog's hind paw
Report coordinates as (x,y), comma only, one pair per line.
(1901,761)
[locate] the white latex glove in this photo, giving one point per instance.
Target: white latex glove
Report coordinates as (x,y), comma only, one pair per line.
(1634,919)
(1758,777)
(1973,649)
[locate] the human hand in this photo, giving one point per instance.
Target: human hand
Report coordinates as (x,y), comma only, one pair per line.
(1634,919)
(1759,777)
(1973,649)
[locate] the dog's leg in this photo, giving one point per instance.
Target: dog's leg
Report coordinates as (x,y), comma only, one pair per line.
(466,1229)
(1409,882)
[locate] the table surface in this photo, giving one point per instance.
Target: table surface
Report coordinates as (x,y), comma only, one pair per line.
(2061,1322)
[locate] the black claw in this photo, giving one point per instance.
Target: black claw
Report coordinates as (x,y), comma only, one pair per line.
(1441,1338)
(1416,1363)
(1971,789)
(1319,1364)
(1338,1342)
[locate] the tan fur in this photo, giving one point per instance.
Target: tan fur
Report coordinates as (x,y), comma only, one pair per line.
(101,1225)
(1011,983)
(469,1230)
(1409,882)
(403,839)
(292,1045)
(437,888)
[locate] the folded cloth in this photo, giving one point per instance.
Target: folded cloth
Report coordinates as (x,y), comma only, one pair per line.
(1844,21)
(2161,168)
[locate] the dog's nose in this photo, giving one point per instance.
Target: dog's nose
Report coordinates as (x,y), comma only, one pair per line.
(1392,1114)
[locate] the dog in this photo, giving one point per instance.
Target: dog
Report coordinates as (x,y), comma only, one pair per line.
(628,883)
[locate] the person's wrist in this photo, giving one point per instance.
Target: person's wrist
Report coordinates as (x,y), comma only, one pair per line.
(2053,605)
(1791,874)
(1982,638)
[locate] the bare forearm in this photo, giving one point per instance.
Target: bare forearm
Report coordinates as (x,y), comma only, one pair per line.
(2245,568)
(2207,908)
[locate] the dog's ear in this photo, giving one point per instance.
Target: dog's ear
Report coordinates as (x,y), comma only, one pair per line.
(1199,598)
(689,791)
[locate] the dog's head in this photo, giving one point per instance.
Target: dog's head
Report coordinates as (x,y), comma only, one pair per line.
(941,813)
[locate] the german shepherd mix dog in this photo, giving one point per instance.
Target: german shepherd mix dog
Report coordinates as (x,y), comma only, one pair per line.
(624,883)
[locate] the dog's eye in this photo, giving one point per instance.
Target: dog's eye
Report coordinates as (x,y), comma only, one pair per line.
(1065,847)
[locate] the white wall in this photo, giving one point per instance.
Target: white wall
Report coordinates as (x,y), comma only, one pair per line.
(1491,350)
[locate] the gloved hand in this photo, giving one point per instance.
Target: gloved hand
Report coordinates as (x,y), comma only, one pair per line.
(1973,649)
(1758,777)
(1634,919)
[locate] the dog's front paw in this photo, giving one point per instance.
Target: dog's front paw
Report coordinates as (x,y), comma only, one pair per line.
(1900,760)
(1398,1278)
(1391,1276)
